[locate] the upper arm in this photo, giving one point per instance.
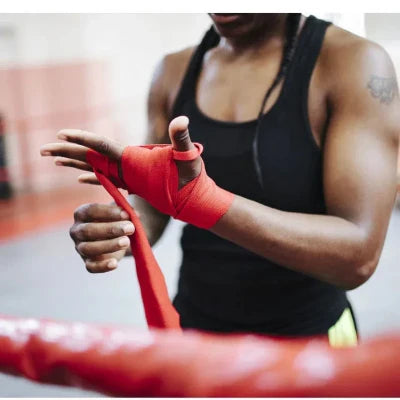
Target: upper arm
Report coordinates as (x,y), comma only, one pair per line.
(361,146)
(164,88)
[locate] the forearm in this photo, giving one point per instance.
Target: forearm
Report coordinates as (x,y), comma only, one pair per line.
(154,222)
(326,247)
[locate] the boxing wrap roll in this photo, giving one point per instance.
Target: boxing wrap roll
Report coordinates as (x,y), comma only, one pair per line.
(129,363)
(158,309)
(150,172)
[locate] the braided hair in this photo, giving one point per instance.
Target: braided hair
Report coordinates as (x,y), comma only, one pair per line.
(292,26)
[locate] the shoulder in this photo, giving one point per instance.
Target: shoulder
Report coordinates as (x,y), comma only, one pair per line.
(346,58)
(360,78)
(169,74)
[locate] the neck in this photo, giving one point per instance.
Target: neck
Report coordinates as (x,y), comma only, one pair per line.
(270,31)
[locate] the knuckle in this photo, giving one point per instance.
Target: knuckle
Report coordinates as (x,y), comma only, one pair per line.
(182,136)
(83,248)
(77,250)
(104,146)
(88,212)
(81,211)
(91,265)
(113,230)
(84,232)
(92,209)
(94,267)
(77,214)
(90,268)
(73,232)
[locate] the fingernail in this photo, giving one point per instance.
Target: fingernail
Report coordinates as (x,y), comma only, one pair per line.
(45,153)
(124,215)
(123,242)
(58,162)
(112,263)
(128,228)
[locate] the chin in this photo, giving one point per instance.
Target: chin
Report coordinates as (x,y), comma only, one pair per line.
(232,25)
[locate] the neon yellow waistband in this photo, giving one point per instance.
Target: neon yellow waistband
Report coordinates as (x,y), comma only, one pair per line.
(343,333)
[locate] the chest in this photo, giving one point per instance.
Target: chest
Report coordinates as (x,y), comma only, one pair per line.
(234,91)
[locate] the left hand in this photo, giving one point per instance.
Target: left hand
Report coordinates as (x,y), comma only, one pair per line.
(73,153)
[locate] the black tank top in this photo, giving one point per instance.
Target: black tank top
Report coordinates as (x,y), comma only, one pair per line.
(224,287)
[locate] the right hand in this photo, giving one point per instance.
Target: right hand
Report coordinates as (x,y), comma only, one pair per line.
(100,233)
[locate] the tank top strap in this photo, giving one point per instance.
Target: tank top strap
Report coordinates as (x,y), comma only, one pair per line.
(188,85)
(307,51)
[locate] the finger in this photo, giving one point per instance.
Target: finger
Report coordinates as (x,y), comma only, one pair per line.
(180,138)
(107,256)
(93,231)
(68,150)
(179,134)
(67,162)
(100,213)
(89,178)
(93,249)
(102,144)
(96,267)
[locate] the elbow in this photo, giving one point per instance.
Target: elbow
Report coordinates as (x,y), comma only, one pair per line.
(361,270)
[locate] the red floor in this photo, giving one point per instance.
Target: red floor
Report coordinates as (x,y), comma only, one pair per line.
(27,213)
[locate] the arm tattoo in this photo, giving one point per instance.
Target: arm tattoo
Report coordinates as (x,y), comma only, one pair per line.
(384,89)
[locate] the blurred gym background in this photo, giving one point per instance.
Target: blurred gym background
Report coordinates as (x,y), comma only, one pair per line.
(92,71)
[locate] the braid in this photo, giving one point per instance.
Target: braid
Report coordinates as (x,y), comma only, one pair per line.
(292,26)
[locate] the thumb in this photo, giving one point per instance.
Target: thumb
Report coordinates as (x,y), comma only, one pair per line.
(179,134)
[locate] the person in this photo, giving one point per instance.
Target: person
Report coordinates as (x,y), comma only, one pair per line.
(300,120)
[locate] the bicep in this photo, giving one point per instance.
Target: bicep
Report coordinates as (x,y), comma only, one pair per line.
(157,106)
(359,173)
(360,159)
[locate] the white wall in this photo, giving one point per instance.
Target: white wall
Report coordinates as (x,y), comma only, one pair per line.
(45,38)
(132,44)
(385,30)
(135,43)
(129,44)
(352,22)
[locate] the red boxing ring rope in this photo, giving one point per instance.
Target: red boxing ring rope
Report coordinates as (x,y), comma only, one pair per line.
(128,362)
(165,362)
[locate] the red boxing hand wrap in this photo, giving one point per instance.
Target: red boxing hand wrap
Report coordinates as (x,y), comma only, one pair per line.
(151,173)
(158,309)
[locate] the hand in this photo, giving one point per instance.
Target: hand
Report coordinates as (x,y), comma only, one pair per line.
(149,172)
(73,153)
(100,233)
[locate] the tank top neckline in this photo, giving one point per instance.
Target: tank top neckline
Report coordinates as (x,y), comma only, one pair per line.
(278,101)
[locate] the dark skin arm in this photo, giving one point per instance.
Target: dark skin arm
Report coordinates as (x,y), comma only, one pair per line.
(163,90)
(360,152)
(360,157)
(153,221)
(100,231)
